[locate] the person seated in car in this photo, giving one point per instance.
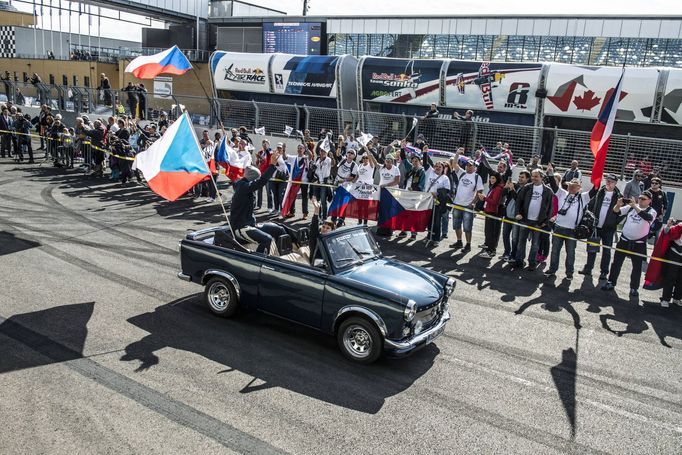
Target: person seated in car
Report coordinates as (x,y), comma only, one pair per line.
(316,230)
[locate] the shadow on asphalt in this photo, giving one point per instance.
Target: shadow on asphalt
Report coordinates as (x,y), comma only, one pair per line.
(275,353)
(58,334)
(10,243)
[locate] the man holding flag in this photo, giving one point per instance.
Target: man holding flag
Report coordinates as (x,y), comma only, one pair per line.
(298,166)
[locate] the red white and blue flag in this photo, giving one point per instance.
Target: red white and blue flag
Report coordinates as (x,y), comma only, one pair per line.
(355,200)
(293,186)
(405,210)
(174,163)
(170,61)
(228,159)
(601,133)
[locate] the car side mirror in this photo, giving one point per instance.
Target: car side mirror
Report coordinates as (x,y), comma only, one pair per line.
(320,264)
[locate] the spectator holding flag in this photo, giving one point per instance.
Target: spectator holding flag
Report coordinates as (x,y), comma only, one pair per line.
(298,170)
(262,163)
(322,174)
(438,184)
(415,179)
(346,171)
(366,171)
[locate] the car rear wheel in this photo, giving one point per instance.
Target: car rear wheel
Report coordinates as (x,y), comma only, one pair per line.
(359,340)
(221,297)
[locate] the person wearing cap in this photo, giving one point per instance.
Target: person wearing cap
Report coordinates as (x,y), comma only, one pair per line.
(468,184)
(389,177)
(533,208)
(346,171)
(635,186)
(242,220)
(366,169)
(659,202)
(638,219)
(602,202)
(96,135)
(571,206)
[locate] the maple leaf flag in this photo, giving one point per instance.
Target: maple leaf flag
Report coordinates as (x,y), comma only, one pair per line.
(601,133)
(587,101)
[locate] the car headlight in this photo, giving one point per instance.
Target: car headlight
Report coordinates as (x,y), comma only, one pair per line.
(410,310)
(450,286)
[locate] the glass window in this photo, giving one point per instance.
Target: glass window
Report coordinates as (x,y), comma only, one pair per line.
(548,49)
(441,46)
(362,45)
(582,46)
(455,46)
(484,48)
(515,49)
(469,44)
(499,50)
(531,48)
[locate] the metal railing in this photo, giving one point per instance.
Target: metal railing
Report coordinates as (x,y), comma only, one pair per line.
(561,146)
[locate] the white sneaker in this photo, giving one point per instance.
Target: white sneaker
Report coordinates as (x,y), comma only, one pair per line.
(665,304)
(210,199)
(271,211)
(485,255)
(677,302)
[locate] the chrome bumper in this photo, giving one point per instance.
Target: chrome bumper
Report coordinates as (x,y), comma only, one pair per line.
(184,277)
(404,347)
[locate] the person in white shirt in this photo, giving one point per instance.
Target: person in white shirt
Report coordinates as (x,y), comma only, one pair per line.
(298,169)
(602,203)
(389,174)
(366,176)
(639,217)
(438,183)
(243,153)
(516,169)
(323,169)
(346,171)
(469,184)
(572,205)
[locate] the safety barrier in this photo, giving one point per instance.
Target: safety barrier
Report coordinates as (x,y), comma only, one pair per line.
(561,146)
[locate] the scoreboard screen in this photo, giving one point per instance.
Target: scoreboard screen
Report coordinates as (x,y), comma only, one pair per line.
(299,38)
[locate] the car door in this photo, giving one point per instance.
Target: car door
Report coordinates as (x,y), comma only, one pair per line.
(292,291)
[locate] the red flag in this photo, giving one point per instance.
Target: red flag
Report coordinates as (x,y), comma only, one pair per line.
(601,133)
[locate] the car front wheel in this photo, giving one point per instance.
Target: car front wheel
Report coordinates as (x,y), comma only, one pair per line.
(359,340)
(221,297)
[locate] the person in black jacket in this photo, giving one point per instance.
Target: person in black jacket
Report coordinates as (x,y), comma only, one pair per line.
(533,208)
(96,136)
(316,230)
(510,232)
(241,209)
(601,204)
(142,100)
(131,92)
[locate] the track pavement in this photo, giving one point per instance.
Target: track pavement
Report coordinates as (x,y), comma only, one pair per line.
(104,350)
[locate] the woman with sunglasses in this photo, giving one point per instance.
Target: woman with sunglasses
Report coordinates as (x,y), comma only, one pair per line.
(365,175)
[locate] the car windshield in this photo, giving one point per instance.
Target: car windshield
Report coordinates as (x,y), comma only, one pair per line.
(352,247)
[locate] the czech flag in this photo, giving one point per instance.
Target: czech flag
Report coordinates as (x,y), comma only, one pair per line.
(601,133)
(405,210)
(228,159)
(170,61)
(293,186)
(355,200)
(174,163)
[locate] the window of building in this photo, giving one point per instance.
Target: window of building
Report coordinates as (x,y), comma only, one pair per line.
(65,79)
(51,79)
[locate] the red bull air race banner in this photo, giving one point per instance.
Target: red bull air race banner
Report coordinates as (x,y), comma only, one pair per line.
(389,80)
(484,86)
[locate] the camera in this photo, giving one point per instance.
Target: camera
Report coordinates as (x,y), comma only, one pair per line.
(563,212)
(627,200)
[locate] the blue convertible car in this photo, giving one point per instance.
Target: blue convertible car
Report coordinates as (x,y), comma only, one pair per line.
(345,288)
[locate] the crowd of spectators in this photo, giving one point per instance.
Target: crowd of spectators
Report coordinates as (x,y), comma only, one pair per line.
(521,203)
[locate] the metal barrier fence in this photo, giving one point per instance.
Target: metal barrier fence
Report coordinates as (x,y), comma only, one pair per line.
(626,152)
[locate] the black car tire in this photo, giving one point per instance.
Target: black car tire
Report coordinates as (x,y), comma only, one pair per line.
(359,340)
(221,297)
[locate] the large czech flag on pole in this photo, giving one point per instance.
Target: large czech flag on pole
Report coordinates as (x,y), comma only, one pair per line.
(355,200)
(174,163)
(601,133)
(170,61)
(405,210)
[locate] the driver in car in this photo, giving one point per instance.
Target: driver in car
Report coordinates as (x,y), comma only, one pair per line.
(241,209)
(316,230)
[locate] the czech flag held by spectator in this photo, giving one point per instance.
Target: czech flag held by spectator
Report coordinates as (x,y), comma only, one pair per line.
(293,186)
(405,210)
(355,200)
(601,133)
(170,61)
(228,159)
(174,163)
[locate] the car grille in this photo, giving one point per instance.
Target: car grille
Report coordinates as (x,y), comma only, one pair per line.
(427,317)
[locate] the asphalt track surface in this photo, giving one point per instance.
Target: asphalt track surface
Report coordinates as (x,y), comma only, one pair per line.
(104,350)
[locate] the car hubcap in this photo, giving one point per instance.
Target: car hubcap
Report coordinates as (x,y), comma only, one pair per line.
(357,341)
(219,296)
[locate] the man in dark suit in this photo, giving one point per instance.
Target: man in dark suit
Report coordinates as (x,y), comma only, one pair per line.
(6,125)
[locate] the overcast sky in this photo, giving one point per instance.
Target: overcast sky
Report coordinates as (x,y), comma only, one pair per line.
(122,30)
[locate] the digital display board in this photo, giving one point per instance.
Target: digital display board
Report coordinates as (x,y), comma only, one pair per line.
(299,38)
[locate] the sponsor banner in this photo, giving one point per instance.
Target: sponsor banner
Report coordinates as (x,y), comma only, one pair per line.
(390,80)
(483,86)
(241,71)
(313,75)
(583,91)
(163,87)
(671,111)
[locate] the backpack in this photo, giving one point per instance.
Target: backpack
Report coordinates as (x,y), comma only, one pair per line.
(587,224)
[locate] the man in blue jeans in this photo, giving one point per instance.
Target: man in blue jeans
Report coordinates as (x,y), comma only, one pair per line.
(572,205)
(241,209)
(469,184)
(533,209)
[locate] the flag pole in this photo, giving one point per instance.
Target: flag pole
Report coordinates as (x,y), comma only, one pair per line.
(215,185)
